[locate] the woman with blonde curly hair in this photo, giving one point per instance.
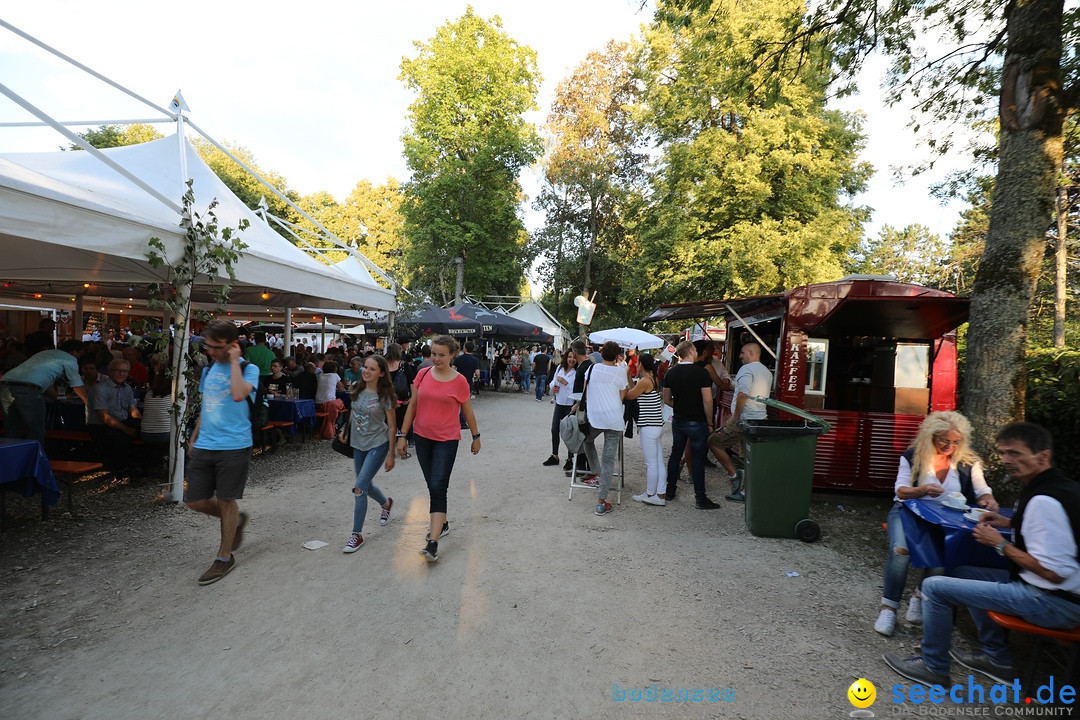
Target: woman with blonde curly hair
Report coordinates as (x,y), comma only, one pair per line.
(938,462)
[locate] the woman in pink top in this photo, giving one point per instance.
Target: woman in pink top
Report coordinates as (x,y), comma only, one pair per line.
(439,392)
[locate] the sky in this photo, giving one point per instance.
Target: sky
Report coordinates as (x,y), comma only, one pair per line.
(316,96)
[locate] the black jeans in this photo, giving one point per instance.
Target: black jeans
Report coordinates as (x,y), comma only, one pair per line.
(561,411)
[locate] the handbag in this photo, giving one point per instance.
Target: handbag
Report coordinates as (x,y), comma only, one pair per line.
(342,425)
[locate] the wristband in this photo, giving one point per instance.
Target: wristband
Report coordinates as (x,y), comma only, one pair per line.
(476,436)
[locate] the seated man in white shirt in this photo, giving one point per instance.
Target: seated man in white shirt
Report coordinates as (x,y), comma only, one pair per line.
(1042,584)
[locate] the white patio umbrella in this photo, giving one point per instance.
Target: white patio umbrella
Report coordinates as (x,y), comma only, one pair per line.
(628,338)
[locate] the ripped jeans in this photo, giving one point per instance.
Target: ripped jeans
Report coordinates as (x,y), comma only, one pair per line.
(896,566)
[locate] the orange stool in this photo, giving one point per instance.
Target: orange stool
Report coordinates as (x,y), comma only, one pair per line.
(1068,636)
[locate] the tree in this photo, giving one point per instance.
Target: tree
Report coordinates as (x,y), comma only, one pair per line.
(912,255)
(592,166)
(750,188)
(110,136)
(465,146)
(373,224)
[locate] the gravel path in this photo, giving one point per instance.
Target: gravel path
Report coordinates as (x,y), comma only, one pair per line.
(537,608)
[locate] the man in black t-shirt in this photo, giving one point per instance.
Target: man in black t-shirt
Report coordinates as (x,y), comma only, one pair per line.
(541,364)
(469,365)
(688,390)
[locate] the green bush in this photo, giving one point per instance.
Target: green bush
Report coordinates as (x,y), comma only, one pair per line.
(1053,401)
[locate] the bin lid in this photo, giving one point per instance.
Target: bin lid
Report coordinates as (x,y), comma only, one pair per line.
(799,412)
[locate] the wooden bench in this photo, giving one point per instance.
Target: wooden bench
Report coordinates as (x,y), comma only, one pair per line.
(78,436)
(1069,636)
(68,471)
(273,429)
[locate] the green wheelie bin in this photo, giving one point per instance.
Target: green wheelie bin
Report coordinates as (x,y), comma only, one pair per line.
(779,473)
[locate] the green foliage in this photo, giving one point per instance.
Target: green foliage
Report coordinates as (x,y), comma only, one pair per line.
(912,255)
(466,144)
(110,136)
(208,255)
(1053,401)
(592,169)
(749,192)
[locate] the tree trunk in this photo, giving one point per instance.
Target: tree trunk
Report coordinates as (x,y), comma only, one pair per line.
(1023,203)
(1061,266)
(594,232)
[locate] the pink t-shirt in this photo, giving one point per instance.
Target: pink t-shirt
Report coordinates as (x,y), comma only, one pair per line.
(437,405)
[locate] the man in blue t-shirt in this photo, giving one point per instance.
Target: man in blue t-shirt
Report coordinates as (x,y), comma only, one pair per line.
(220,447)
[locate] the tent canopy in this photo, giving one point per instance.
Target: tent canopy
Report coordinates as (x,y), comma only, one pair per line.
(67,219)
(501,325)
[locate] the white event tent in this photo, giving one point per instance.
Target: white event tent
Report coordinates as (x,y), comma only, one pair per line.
(67,219)
(77,225)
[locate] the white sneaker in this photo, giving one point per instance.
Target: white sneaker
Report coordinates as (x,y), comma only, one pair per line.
(886,622)
(641,498)
(914,610)
(654,500)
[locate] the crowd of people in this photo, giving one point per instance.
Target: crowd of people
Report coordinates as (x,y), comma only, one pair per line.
(421,399)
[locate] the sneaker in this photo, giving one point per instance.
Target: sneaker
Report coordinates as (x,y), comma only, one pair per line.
(706,504)
(979,662)
(654,500)
(238,538)
(640,498)
(384,516)
(736,496)
(218,570)
(603,507)
(444,533)
(553,460)
(568,465)
(913,668)
(539,400)
(591,481)
(431,551)
(886,622)
(355,541)
(737,481)
(914,610)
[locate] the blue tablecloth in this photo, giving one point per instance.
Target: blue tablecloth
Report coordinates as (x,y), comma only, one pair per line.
(294,411)
(24,465)
(938,536)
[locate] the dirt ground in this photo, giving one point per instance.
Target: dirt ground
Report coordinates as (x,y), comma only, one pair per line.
(536,609)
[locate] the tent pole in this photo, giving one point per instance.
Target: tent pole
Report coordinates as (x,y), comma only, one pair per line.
(77,318)
(323,333)
(288,331)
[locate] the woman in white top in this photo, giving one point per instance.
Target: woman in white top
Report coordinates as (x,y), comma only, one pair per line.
(605,388)
(562,382)
(940,461)
(326,399)
(650,424)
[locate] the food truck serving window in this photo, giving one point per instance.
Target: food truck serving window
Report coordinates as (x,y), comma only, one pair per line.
(817,365)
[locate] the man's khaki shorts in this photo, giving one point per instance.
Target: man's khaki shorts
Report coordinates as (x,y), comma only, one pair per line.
(726,436)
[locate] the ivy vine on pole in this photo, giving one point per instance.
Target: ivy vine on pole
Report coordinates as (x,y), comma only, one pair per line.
(208,255)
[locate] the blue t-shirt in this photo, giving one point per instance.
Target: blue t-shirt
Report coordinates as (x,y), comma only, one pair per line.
(226,423)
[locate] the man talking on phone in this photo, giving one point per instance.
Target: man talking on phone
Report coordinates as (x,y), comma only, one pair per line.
(220,446)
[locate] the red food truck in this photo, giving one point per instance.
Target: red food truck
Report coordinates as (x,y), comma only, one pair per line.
(870,355)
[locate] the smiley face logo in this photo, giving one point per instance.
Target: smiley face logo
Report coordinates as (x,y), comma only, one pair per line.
(862,693)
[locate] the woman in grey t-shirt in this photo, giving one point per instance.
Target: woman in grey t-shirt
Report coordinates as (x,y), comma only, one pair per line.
(372,428)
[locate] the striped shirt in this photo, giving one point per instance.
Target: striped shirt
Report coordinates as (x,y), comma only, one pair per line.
(650,413)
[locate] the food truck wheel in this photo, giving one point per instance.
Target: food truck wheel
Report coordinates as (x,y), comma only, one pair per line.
(808,531)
